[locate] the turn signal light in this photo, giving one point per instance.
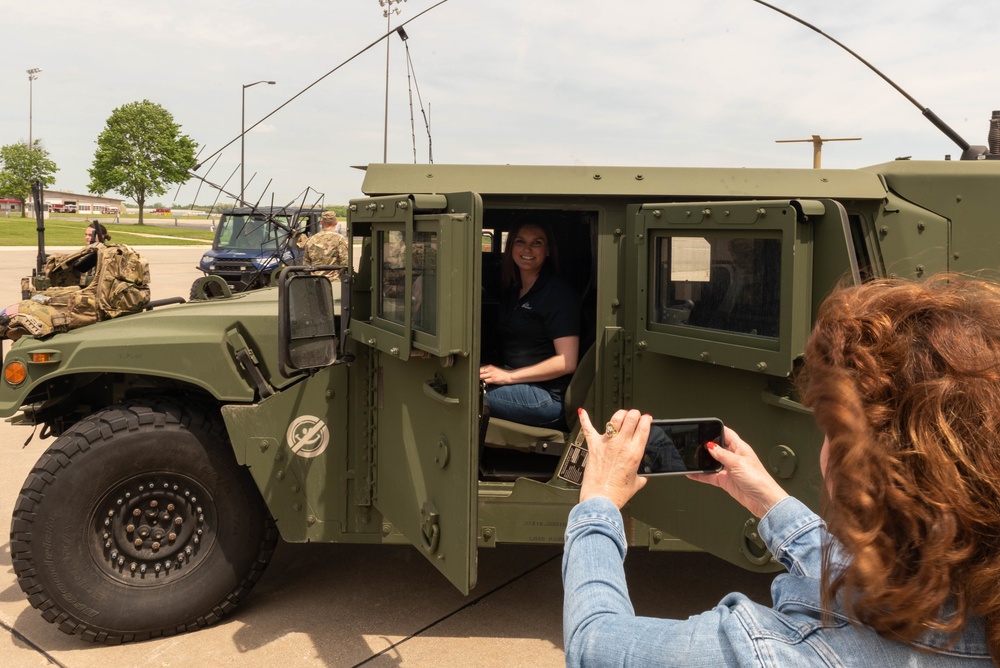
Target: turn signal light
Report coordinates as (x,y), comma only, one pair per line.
(15,373)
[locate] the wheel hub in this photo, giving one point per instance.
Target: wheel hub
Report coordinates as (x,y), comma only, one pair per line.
(151,527)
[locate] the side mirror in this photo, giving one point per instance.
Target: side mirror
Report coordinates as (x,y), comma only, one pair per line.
(307,328)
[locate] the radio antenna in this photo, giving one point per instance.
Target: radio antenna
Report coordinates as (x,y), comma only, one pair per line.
(969,152)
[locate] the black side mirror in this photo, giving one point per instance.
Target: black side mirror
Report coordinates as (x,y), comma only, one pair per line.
(307,328)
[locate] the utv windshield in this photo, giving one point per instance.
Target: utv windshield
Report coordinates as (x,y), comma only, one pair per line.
(252,232)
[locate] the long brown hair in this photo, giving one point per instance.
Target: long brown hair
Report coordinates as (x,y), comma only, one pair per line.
(510,277)
(904,379)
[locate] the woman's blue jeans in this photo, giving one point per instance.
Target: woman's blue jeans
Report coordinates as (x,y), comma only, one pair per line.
(525,403)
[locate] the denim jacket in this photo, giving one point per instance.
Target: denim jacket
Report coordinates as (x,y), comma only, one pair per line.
(601,628)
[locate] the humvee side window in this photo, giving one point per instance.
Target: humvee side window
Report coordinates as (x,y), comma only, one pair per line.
(424,293)
(719,282)
(392,276)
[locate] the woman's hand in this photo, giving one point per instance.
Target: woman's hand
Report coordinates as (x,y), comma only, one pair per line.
(613,459)
(494,375)
(743,476)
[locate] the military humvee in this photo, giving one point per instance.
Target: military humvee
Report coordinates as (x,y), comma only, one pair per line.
(190,437)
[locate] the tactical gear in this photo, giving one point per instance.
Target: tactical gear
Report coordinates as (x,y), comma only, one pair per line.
(95,283)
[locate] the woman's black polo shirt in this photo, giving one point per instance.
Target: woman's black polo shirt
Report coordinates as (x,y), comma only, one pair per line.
(527,326)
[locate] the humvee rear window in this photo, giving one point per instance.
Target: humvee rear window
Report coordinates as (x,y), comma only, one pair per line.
(726,283)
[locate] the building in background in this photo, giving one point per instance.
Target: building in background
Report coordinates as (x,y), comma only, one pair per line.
(60,201)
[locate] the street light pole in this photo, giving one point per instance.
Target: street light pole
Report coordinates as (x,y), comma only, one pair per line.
(387,12)
(243,131)
(32,75)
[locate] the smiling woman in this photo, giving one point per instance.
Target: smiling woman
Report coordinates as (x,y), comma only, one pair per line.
(539,330)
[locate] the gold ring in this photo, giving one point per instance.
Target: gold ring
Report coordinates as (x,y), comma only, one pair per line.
(609,429)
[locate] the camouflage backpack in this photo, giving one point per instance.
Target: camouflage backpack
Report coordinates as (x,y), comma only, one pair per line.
(118,284)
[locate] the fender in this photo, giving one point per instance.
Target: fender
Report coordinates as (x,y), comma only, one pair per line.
(192,343)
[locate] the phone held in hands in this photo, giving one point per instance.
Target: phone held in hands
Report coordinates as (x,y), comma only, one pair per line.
(678,447)
(674,447)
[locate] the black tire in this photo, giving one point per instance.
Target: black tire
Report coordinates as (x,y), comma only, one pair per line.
(138,523)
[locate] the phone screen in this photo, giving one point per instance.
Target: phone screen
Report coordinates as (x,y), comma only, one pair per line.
(676,447)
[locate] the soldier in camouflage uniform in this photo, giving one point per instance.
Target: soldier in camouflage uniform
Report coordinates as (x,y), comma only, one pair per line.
(326,246)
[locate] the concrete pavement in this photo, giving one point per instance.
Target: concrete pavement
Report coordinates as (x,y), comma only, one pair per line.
(346,605)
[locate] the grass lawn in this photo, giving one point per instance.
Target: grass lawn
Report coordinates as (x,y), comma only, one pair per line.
(24,232)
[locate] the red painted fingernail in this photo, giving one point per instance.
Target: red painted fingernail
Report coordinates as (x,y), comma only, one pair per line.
(579,411)
(710,445)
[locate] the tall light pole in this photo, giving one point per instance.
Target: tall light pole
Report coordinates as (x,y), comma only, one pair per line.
(387,12)
(32,75)
(243,131)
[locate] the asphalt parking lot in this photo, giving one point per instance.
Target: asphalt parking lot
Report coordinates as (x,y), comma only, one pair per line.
(347,605)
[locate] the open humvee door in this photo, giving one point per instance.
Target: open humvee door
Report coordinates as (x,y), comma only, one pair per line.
(416,309)
(722,309)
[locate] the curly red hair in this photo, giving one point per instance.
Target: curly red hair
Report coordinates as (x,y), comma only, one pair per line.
(904,380)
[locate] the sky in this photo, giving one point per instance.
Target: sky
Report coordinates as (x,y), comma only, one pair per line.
(700,83)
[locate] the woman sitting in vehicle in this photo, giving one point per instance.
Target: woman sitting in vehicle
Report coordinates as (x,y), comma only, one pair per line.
(539,332)
(904,379)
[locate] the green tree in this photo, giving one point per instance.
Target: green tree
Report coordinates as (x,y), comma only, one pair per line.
(141,153)
(20,166)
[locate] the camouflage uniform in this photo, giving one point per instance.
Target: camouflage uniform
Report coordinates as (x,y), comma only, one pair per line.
(326,247)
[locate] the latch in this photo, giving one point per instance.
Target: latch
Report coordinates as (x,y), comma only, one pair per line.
(430,530)
(752,545)
(248,360)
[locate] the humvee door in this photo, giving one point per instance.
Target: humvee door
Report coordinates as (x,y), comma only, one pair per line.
(415,317)
(722,305)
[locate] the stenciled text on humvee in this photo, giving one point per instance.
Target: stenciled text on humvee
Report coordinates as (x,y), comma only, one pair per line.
(190,437)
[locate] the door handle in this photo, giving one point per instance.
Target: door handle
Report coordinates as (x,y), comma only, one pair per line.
(437,390)
(783,402)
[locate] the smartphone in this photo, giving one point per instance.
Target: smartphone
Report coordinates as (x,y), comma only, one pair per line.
(677,447)
(674,447)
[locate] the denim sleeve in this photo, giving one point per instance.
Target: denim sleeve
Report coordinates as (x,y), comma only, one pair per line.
(599,624)
(795,536)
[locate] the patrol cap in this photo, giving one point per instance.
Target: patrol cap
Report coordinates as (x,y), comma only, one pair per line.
(329,215)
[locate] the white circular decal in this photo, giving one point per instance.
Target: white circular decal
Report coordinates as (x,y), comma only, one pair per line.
(308,436)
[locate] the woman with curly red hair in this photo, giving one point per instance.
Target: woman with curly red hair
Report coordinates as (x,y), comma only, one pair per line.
(904,381)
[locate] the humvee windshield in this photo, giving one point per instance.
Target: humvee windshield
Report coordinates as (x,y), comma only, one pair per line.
(243,232)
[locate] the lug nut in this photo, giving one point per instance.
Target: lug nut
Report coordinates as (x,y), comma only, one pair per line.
(172,537)
(154,503)
(138,542)
(130,528)
(170,507)
(136,512)
(156,546)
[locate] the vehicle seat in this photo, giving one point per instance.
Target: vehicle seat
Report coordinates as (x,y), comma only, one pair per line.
(543,440)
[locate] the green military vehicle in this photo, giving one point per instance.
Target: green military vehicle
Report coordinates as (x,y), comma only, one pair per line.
(190,437)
